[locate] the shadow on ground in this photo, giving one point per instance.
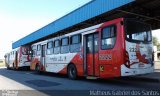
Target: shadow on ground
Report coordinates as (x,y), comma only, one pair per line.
(41,81)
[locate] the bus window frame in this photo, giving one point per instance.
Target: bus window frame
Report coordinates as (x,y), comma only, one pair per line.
(68,45)
(116,33)
(63,39)
(52,48)
(57,46)
(39,48)
(55,42)
(38,51)
(80,41)
(52,44)
(137,41)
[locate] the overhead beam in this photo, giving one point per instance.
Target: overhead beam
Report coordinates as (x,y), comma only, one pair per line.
(127,12)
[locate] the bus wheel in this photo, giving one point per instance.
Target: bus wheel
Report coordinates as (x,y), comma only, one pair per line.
(16,68)
(13,68)
(8,67)
(72,72)
(38,69)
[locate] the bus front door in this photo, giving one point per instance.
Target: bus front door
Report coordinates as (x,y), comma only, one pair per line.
(92,54)
(43,55)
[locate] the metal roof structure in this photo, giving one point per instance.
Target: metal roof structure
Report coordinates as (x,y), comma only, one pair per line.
(94,12)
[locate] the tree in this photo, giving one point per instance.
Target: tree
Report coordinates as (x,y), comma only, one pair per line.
(155,41)
(158,47)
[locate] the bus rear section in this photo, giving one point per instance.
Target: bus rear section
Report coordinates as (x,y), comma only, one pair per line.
(23,57)
(139,49)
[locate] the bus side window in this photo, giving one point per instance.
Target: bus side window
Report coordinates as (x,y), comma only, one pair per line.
(50,48)
(24,51)
(33,50)
(56,47)
(75,42)
(65,45)
(108,37)
(38,50)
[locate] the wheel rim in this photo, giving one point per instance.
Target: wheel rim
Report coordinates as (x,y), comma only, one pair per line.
(37,68)
(72,72)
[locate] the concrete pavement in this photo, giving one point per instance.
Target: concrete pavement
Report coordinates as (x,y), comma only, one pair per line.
(32,84)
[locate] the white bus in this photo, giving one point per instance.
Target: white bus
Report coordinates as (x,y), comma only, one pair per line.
(18,58)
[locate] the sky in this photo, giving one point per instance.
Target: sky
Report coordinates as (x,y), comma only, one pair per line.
(19,18)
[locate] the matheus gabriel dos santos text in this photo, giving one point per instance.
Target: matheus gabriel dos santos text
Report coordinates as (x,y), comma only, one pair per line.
(124,92)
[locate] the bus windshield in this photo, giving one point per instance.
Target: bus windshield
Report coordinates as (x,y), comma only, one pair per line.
(138,31)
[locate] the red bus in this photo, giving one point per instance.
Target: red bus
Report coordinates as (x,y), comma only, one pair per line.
(120,47)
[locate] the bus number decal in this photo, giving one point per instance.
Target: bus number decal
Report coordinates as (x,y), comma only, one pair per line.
(133,50)
(105,57)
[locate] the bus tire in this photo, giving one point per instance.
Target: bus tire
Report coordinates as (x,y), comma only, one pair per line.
(16,68)
(37,69)
(8,67)
(13,68)
(72,71)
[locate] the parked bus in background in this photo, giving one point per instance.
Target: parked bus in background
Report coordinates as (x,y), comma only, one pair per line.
(120,47)
(18,58)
